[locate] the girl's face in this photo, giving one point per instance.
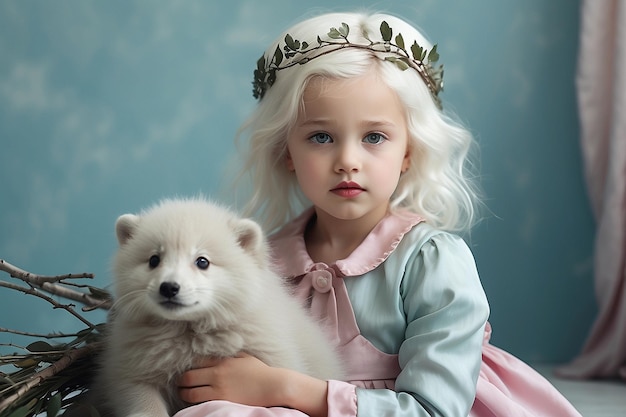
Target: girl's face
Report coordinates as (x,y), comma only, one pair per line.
(349,146)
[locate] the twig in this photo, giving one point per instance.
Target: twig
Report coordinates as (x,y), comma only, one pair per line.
(36,279)
(33,291)
(44,370)
(42,335)
(51,285)
(56,367)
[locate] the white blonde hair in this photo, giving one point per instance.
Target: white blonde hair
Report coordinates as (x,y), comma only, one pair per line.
(438,184)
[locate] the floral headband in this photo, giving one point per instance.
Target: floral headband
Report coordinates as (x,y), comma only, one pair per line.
(420,59)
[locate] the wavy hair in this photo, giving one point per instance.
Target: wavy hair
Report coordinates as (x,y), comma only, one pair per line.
(439,184)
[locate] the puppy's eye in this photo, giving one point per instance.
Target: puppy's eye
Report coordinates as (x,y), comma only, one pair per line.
(202,262)
(154,261)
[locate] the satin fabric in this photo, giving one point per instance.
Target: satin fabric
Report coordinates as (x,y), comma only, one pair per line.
(409,316)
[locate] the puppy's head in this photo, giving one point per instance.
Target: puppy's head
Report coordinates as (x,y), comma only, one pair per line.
(187,260)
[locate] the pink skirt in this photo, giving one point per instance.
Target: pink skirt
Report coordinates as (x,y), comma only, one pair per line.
(507,387)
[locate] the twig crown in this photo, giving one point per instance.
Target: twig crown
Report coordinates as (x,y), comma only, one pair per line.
(420,59)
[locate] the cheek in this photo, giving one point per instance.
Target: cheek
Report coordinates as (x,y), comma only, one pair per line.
(304,164)
(295,157)
(387,180)
(309,177)
(387,175)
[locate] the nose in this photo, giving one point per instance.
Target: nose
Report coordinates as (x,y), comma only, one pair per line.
(347,158)
(169,289)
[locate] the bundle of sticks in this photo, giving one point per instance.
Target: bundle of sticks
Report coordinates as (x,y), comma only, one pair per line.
(51,374)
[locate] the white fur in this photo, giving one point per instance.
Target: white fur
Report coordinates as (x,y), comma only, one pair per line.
(236,304)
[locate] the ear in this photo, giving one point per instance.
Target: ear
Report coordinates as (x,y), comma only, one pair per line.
(250,237)
(289,161)
(125,227)
(406,162)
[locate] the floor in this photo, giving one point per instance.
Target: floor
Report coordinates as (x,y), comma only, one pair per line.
(591,398)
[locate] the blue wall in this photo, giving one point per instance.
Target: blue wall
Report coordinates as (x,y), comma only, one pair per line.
(105,107)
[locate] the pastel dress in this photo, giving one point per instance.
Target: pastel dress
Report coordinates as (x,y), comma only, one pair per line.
(409,316)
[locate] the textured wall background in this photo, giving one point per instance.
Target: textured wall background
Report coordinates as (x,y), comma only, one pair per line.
(105,107)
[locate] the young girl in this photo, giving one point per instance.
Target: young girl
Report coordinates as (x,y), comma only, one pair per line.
(350,123)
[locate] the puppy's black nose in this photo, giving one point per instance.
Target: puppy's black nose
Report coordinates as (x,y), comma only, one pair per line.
(169,289)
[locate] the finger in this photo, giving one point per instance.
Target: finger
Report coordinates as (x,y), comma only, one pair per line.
(207,362)
(196,377)
(197,395)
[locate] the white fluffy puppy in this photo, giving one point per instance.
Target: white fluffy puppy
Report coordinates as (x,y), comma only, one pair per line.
(192,279)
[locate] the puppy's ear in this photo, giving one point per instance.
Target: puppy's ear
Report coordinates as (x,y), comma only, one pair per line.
(125,227)
(250,238)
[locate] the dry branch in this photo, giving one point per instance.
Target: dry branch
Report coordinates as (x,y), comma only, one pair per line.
(45,371)
(52,285)
(50,371)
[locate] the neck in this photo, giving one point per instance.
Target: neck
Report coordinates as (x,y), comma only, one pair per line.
(329,239)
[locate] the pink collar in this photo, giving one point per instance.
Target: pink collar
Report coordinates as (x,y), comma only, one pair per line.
(373,251)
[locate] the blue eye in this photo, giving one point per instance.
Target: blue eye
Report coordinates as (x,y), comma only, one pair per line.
(321,138)
(374,138)
(154,261)
(202,262)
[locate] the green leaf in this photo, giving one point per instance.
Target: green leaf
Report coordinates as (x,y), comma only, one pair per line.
(26,363)
(21,412)
(85,332)
(278,56)
(24,410)
(305,45)
(400,41)
(334,34)
(260,64)
(54,405)
(400,63)
(386,31)
(433,55)
(344,30)
(271,78)
(417,51)
(291,44)
(40,346)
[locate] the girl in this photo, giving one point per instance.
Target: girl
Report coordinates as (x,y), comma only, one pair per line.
(350,123)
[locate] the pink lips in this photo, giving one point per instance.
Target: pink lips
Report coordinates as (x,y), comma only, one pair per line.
(347,189)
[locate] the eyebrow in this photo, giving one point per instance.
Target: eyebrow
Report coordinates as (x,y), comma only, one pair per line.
(325,121)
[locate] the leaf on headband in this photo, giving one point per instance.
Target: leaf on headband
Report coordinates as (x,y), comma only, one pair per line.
(278,57)
(400,41)
(291,43)
(335,34)
(344,30)
(400,63)
(433,55)
(417,51)
(267,67)
(385,31)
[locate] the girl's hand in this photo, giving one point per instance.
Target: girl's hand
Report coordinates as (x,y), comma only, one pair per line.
(245,379)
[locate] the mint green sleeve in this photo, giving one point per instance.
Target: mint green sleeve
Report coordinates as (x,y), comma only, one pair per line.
(446,310)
